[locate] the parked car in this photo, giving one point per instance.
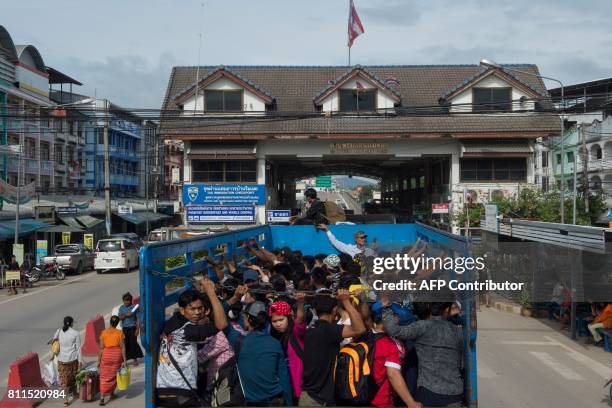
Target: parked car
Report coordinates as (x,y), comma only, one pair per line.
(116,253)
(132,236)
(71,258)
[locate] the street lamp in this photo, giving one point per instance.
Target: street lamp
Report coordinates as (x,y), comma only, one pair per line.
(492,64)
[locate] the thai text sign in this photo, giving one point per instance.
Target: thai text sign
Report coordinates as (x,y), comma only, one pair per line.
(224,194)
(220,213)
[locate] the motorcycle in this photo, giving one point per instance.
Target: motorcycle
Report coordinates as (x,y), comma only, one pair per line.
(47,270)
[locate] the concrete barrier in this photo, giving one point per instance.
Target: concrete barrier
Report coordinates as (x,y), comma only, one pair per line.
(93,329)
(24,374)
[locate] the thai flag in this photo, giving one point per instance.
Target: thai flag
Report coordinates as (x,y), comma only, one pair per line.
(355,28)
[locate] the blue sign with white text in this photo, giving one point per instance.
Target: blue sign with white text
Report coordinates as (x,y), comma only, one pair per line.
(220,213)
(254,194)
(278,215)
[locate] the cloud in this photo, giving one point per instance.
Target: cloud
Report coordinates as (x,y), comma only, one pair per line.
(128,81)
(396,13)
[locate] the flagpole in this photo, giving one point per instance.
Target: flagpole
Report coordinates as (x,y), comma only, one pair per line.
(348,35)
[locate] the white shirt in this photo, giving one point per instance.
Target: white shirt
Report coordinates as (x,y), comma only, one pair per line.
(349,249)
(70,345)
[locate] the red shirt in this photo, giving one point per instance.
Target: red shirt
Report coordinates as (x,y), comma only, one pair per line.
(388,353)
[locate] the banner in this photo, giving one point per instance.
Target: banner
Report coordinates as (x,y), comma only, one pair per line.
(9,192)
(88,241)
(18,252)
(65,238)
(41,250)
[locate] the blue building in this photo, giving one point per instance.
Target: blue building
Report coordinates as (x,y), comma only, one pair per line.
(127,151)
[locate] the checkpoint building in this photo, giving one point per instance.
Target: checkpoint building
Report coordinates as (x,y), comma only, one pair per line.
(428,133)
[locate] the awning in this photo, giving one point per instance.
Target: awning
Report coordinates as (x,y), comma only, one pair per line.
(26,227)
(61,228)
(71,221)
(141,217)
(222,151)
(88,221)
(512,149)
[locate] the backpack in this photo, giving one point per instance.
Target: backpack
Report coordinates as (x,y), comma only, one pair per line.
(334,213)
(354,373)
(226,389)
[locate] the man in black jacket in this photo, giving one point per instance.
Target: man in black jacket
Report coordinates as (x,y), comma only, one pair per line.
(316,212)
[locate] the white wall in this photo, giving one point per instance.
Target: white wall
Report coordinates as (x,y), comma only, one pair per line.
(253,105)
(493,81)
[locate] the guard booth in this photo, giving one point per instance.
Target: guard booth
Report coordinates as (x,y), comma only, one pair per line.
(162,281)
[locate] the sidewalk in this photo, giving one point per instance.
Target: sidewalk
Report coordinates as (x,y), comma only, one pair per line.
(133,397)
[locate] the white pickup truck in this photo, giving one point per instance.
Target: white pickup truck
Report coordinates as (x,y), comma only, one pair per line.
(71,258)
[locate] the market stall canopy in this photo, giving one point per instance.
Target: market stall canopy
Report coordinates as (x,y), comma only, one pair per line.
(26,227)
(141,217)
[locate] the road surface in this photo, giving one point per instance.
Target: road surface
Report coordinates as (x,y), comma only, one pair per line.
(29,320)
(528,363)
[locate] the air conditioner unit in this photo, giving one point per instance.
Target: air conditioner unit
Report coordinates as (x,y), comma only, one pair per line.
(497,195)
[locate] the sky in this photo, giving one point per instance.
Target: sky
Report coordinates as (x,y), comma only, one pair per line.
(125,50)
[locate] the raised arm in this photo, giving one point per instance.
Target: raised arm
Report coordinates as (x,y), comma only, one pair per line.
(356,328)
(410,332)
(300,314)
(349,249)
(217,308)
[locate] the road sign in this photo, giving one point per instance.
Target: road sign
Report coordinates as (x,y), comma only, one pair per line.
(323,181)
(278,215)
(63,211)
(439,208)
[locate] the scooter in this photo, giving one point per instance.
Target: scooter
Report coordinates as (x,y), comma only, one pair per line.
(44,271)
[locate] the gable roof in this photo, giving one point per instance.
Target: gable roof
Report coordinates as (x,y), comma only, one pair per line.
(486,72)
(357,71)
(296,87)
(224,72)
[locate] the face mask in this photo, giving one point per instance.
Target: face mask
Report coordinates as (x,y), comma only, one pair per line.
(243,299)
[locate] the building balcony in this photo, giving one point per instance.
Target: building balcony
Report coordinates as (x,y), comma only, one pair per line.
(60,167)
(600,165)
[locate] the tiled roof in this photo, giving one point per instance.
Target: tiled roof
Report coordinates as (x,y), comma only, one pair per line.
(349,73)
(484,70)
(296,87)
(228,70)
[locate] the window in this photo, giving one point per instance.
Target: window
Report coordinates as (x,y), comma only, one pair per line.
(493,169)
(100,136)
(544,183)
(544,160)
(558,158)
(44,150)
(221,171)
(570,157)
(492,99)
(357,100)
(30,148)
(59,154)
(223,101)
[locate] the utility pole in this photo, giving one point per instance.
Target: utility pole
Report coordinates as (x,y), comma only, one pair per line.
(107,203)
(157,169)
(575,191)
(585,170)
(146,150)
(21,137)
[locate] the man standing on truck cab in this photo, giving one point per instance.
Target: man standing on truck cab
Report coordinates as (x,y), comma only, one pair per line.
(316,210)
(359,247)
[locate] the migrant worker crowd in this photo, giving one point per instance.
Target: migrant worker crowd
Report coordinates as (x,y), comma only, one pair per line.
(295,330)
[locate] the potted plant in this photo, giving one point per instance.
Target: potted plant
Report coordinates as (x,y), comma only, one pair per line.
(526,305)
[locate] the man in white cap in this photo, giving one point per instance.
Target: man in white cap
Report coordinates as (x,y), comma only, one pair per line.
(359,247)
